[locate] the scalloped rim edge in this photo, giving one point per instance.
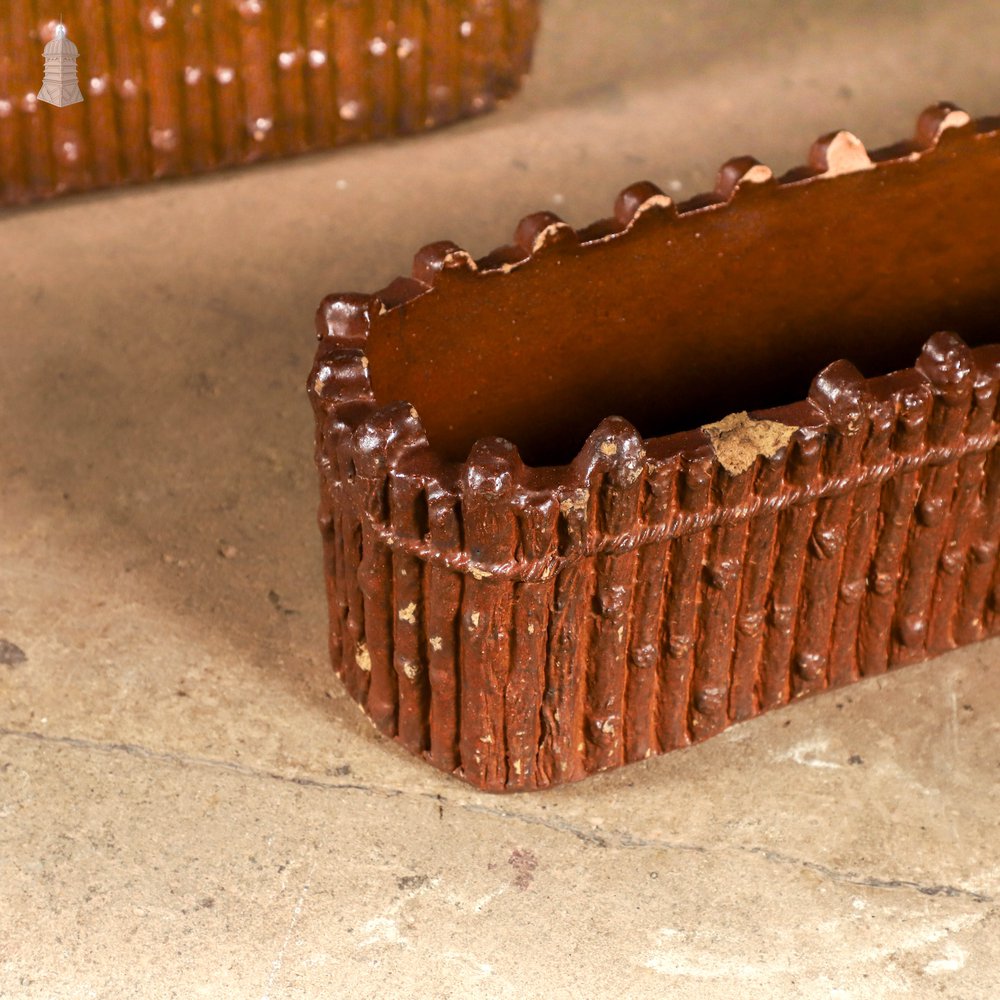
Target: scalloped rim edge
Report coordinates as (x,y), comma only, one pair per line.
(340,388)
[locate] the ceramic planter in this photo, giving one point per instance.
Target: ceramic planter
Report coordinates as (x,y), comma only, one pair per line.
(524,625)
(172,89)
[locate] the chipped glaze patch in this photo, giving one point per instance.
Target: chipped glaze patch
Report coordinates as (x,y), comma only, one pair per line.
(363,658)
(738,440)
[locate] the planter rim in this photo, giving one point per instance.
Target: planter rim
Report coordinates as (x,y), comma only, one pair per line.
(389,438)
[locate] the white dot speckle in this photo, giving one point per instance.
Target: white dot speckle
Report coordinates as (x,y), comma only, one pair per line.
(156,19)
(465,29)
(192,74)
(341,184)
(163,138)
(128,88)
(405,47)
(287,59)
(350,110)
(225,74)
(378,47)
(558,199)
(316,57)
(98,84)
(261,127)
(674,185)
(5,108)
(30,102)
(70,152)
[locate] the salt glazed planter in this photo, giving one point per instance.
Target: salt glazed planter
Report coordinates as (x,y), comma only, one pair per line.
(171,89)
(523,625)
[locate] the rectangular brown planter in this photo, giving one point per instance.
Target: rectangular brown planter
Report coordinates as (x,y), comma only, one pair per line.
(522,626)
(197,85)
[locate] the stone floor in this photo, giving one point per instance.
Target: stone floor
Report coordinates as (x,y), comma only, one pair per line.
(191,807)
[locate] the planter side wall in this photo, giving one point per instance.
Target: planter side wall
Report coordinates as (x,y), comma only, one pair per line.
(523,635)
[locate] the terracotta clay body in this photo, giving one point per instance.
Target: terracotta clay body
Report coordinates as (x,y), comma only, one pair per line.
(182,88)
(640,587)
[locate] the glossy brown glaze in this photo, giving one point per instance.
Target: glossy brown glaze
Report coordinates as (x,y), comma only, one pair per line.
(524,626)
(178,88)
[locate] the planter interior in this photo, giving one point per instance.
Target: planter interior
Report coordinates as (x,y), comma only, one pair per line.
(724,307)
